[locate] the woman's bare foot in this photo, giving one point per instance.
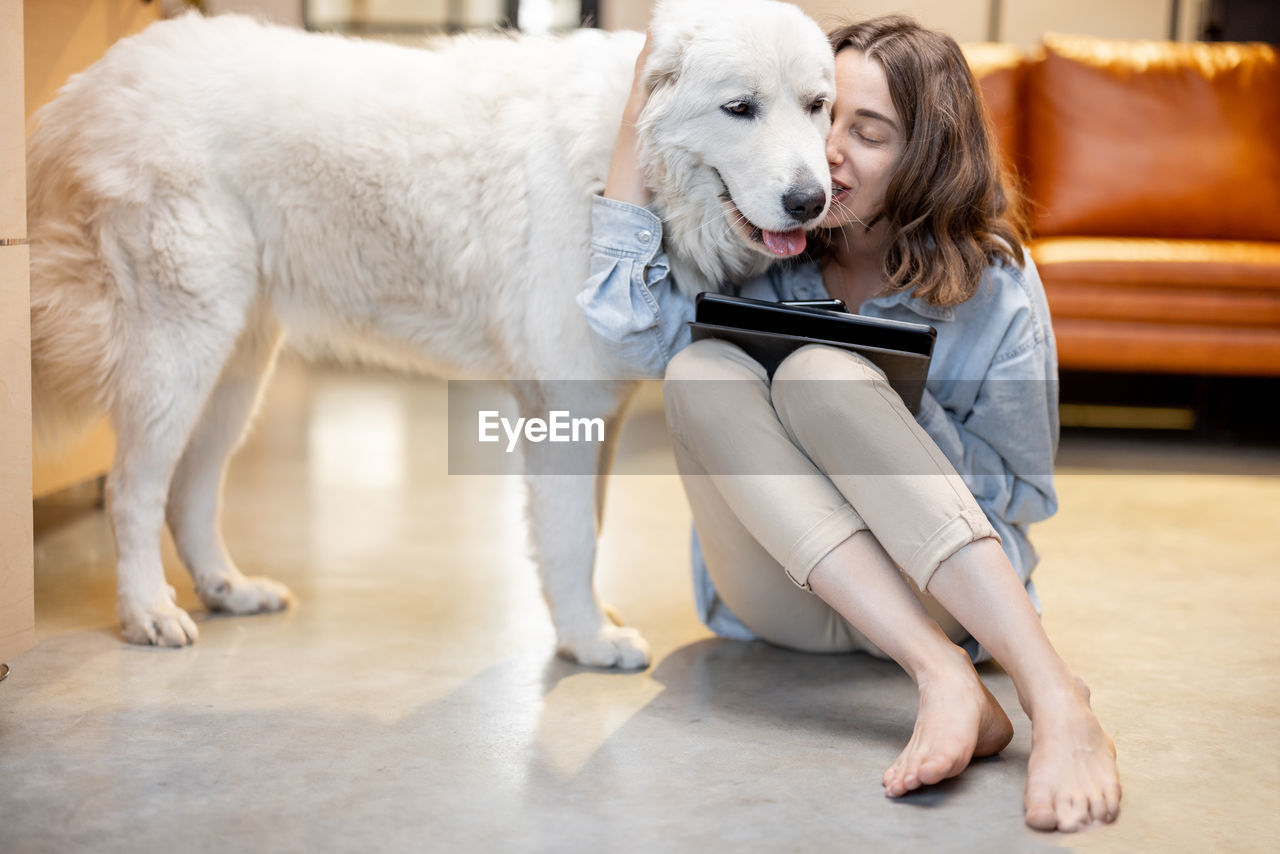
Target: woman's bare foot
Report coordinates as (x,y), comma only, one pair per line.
(1072,780)
(957,719)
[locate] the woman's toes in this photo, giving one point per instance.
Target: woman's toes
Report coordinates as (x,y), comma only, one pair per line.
(1097,806)
(890,781)
(894,771)
(900,780)
(1111,794)
(903,776)
(1073,812)
(1039,808)
(934,771)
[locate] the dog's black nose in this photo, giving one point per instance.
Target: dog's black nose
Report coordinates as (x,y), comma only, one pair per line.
(804,203)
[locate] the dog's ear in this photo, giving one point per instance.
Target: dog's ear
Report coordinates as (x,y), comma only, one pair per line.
(661,69)
(671,29)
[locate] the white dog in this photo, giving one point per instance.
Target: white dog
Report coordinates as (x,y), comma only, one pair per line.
(214,185)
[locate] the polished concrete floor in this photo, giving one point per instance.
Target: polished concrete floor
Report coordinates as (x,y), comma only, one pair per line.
(411,700)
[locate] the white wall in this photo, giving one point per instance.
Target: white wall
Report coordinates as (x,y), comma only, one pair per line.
(624,14)
(323,12)
(963,20)
(1021,22)
(279,11)
(540,14)
(1026,20)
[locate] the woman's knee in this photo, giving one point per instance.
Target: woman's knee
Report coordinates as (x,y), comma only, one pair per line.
(825,382)
(713,359)
(819,362)
(706,379)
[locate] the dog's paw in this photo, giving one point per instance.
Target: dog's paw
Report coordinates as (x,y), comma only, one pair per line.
(159,624)
(613,646)
(245,594)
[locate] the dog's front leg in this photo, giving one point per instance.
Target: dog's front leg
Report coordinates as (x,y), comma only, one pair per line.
(563,509)
(563,535)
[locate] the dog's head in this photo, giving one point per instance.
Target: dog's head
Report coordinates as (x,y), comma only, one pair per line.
(733,135)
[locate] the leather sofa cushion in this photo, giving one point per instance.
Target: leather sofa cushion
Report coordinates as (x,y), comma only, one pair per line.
(1154,139)
(1167,281)
(1112,345)
(999,69)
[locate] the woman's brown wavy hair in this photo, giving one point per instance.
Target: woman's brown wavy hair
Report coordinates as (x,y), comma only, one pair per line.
(949,211)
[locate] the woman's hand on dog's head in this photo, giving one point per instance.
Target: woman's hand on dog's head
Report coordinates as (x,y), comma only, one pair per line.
(625,183)
(639,95)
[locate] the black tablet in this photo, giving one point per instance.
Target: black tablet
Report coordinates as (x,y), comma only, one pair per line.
(770,331)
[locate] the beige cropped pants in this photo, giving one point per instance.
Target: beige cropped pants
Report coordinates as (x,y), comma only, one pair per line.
(780,473)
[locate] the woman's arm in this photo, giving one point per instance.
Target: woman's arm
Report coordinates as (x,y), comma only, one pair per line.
(637,314)
(625,182)
(1004,447)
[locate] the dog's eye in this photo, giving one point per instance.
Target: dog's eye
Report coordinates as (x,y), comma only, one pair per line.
(818,105)
(741,109)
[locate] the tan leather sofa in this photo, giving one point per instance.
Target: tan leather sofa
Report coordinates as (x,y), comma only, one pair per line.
(1153,175)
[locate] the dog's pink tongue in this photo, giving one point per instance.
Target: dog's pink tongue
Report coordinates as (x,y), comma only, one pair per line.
(785,243)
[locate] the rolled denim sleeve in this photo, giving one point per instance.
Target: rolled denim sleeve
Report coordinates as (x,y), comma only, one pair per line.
(1004,448)
(637,315)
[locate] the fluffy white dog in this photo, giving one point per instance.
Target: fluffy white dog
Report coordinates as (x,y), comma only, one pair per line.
(212,186)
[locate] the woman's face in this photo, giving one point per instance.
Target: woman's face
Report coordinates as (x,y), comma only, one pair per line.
(865,143)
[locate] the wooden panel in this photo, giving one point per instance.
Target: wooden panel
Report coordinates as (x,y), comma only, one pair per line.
(13,184)
(67,36)
(17,591)
(64,37)
(17,578)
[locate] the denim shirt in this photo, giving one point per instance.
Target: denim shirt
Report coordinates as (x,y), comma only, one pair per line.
(990,401)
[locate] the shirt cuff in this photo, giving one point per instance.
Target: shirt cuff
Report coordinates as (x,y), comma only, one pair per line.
(624,229)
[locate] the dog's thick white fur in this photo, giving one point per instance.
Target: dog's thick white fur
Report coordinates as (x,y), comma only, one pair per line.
(213,186)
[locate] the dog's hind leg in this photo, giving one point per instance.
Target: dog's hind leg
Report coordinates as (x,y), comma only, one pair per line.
(185,285)
(195,494)
(563,510)
(164,382)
